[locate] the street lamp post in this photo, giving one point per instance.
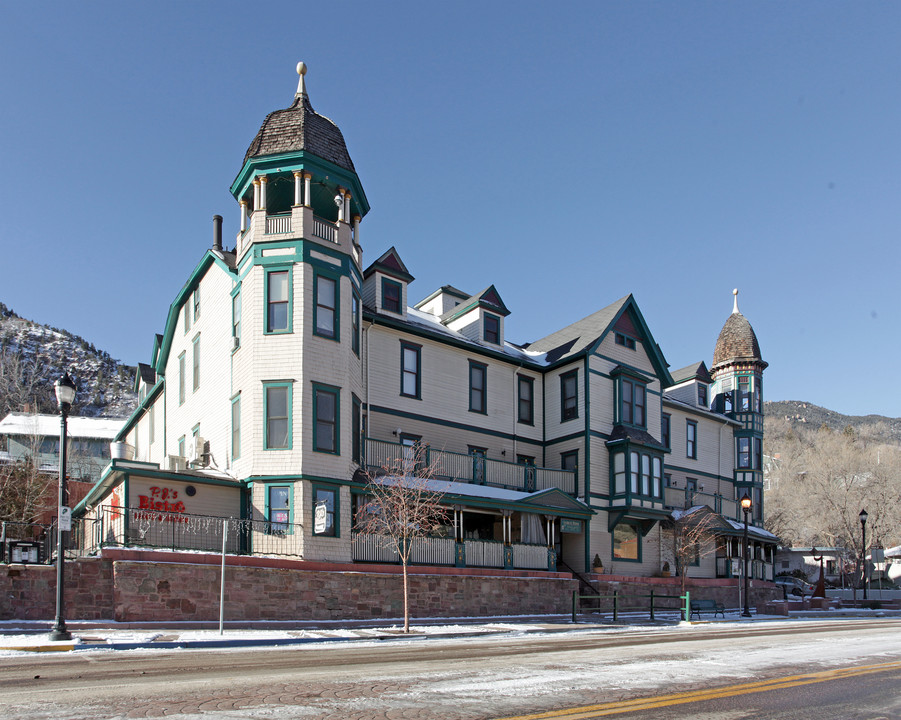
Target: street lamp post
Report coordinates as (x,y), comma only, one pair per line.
(863,550)
(746,508)
(65,395)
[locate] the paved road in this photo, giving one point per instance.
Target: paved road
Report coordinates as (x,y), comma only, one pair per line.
(463,679)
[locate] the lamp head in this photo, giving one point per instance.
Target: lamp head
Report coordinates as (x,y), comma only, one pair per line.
(745,502)
(65,392)
(863,516)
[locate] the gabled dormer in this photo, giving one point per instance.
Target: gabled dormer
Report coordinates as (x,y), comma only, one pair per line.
(385,285)
(443,300)
(479,317)
(691,385)
(145,380)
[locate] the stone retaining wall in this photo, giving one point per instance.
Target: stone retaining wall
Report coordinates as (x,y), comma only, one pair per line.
(633,592)
(152,587)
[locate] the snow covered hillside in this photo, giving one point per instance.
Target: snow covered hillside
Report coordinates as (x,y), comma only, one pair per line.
(33,356)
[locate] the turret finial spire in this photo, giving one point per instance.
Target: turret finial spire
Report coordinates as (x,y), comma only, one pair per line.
(735,302)
(301,87)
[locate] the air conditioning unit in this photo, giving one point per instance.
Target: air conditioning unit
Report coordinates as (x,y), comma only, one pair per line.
(200,452)
(177,463)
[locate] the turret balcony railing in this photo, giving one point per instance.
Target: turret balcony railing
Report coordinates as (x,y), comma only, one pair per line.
(474,469)
(325,229)
(278,224)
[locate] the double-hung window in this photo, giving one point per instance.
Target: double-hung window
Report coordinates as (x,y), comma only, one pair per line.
(355,322)
(325,511)
(236,428)
(391,295)
(665,430)
(325,322)
(195,365)
(569,395)
(196,304)
(326,412)
(632,402)
(356,449)
(236,319)
(491,330)
(277,410)
(181,378)
(691,439)
(525,394)
(478,387)
(410,377)
(744,452)
(278,301)
(278,506)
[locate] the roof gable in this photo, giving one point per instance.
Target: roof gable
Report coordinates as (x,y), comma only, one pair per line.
(390,263)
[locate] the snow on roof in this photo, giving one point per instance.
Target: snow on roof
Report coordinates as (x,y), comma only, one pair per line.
(48,425)
(432,323)
(449,487)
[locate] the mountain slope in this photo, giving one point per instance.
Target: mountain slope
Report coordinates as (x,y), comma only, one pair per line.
(33,356)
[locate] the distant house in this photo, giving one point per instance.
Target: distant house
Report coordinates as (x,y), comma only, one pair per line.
(790,560)
(36,437)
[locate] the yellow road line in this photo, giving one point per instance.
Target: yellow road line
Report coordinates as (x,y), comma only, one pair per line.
(611,708)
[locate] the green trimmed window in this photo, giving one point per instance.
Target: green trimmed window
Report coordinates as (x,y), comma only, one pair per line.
(525,391)
(325,511)
(569,395)
(632,402)
(665,425)
(278,301)
(326,411)
(195,362)
(277,413)
(236,319)
(691,439)
(236,428)
(625,341)
(744,452)
(410,375)
(196,302)
(325,312)
(491,329)
(181,446)
(278,508)
(569,460)
(356,429)
(702,395)
(187,308)
(181,379)
(355,304)
(478,387)
(626,542)
(392,295)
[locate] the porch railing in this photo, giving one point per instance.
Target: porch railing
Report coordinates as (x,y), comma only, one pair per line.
(729,567)
(130,527)
(474,469)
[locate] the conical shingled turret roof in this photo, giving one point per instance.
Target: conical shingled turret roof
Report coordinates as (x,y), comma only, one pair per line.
(299,127)
(737,341)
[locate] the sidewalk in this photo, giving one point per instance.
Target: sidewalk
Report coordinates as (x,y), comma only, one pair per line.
(31,635)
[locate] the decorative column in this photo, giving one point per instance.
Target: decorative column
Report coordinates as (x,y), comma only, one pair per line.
(307,178)
(243,205)
(347,206)
(263,182)
(256,194)
(357,219)
(298,186)
(339,201)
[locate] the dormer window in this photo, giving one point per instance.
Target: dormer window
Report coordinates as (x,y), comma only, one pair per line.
(492,329)
(625,341)
(391,295)
(702,395)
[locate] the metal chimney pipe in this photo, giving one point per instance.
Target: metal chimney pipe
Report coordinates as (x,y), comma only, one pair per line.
(217,232)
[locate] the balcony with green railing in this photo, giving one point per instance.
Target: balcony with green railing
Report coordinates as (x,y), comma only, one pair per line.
(473,469)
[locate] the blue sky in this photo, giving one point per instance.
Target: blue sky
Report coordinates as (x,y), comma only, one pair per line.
(568,153)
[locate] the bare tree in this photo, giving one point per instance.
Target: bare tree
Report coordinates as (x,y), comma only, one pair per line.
(403,509)
(693,536)
(25,491)
(22,382)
